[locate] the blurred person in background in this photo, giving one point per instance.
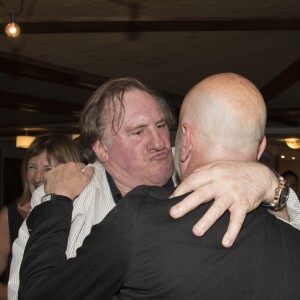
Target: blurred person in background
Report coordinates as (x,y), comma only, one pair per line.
(292,178)
(44,153)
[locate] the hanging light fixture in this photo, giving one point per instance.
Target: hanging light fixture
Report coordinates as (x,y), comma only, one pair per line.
(24,141)
(12,29)
(293,143)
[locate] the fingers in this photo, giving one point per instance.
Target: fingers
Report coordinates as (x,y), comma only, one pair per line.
(235,186)
(187,204)
(79,165)
(216,210)
(191,202)
(89,171)
(68,179)
(194,181)
(236,222)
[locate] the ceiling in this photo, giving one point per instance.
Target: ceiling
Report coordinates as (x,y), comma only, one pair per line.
(68,48)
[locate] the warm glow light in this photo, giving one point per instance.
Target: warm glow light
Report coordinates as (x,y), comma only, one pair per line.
(12,30)
(24,141)
(293,157)
(282,156)
(293,143)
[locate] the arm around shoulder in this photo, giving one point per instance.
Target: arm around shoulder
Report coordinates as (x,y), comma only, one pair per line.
(98,269)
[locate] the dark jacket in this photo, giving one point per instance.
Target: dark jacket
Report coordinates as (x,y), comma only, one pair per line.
(139,252)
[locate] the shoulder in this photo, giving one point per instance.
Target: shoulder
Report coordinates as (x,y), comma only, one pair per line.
(151,192)
(145,201)
(4,228)
(274,230)
(286,230)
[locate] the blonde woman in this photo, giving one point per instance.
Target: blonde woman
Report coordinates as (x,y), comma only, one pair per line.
(45,152)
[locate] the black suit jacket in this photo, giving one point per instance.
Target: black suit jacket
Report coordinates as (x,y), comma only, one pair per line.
(139,252)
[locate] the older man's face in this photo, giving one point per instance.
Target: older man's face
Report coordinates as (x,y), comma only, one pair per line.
(140,153)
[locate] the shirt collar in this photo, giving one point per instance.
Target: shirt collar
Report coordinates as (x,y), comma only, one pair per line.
(116,194)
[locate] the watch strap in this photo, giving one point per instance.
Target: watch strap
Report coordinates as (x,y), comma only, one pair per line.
(281,195)
(53,196)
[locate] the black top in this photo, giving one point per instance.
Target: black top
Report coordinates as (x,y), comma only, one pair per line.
(15,221)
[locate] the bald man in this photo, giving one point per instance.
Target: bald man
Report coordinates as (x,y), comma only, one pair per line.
(140,252)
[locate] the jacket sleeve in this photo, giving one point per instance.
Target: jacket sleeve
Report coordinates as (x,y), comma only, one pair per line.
(19,247)
(98,270)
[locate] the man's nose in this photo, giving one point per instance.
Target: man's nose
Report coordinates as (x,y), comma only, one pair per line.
(156,141)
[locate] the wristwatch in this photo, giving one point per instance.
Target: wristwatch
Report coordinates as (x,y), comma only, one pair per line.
(53,196)
(281,195)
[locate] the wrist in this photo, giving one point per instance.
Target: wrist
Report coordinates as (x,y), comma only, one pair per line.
(59,191)
(272,186)
(55,197)
(280,193)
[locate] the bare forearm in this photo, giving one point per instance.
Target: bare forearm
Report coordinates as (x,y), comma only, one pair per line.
(3,291)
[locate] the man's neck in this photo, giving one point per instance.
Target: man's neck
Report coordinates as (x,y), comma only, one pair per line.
(117,193)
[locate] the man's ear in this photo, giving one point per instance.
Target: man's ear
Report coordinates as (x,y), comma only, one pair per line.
(186,141)
(101,151)
(261,148)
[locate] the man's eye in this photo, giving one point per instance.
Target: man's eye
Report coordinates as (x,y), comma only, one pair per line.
(137,132)
(162,125)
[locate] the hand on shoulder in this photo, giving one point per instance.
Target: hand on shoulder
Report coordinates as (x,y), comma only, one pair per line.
(68,179)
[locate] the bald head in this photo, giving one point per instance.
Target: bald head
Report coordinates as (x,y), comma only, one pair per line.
(225,116)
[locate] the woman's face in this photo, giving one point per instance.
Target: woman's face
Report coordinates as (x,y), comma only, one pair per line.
(36,168)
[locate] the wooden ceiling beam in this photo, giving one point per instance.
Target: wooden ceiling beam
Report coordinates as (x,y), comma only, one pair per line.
(156,25)
(282,81)
(21,66)
(284,113)
(37,129)
(39,105)
(18,65)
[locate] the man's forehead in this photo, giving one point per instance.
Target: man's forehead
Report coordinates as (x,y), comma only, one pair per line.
(139,101)
(137,108)
(134,94)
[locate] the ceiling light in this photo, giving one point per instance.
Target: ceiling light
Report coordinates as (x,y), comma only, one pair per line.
(24,141)
(293,143)
(12,29)
(282,156)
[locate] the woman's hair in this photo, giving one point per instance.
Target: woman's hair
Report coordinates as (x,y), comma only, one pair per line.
(58,147)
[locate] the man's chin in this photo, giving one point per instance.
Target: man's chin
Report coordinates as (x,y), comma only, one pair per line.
(161,177)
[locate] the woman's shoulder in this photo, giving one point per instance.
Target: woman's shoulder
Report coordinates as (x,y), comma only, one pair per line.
(4,219)
(4,212)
